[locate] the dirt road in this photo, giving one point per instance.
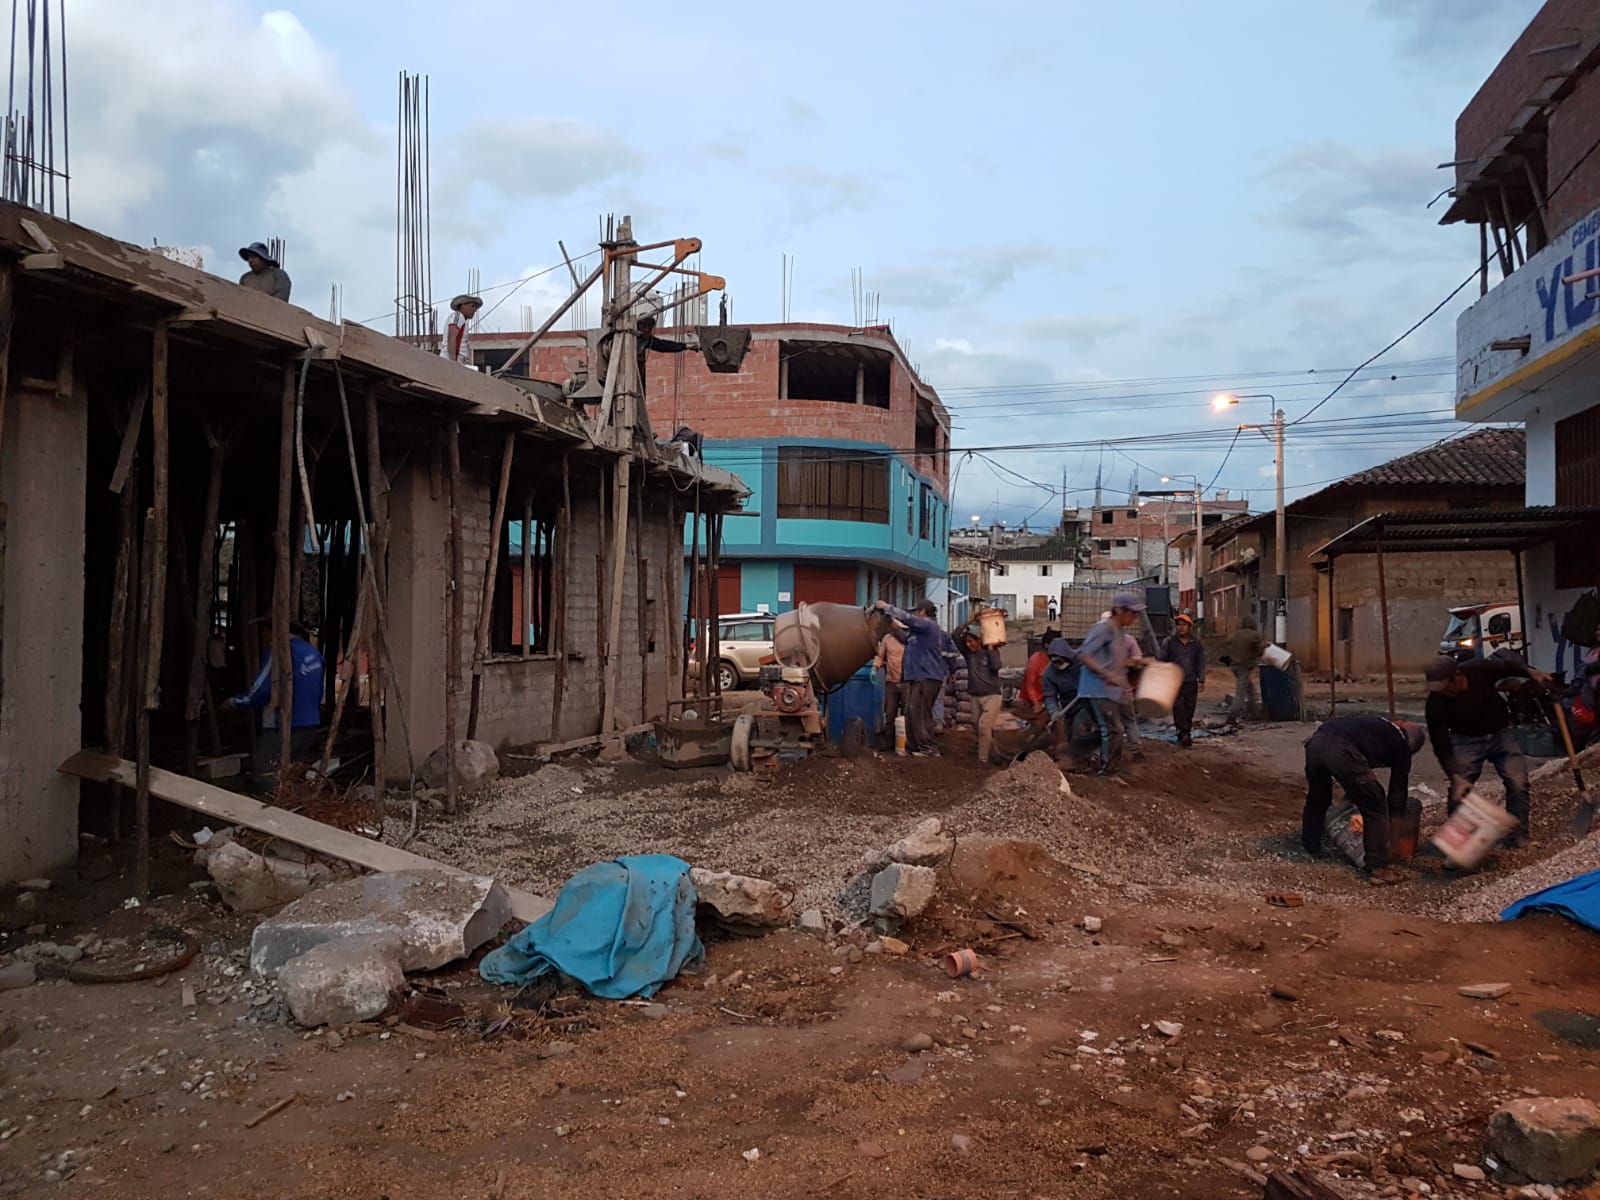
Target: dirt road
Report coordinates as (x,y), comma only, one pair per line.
(1331,1033)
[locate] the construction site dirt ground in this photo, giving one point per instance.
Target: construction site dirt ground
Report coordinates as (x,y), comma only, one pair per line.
(1330,1033)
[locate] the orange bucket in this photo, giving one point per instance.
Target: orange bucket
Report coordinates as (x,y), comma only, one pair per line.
(961,962)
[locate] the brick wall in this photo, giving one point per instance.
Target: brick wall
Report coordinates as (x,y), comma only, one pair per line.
(1573,127)
(518,703)
(681,390)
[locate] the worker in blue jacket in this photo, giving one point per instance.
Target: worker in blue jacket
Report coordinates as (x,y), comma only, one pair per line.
(923,669)
(306,705)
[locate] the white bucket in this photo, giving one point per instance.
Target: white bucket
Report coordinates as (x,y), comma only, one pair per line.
(1472,830)
(1276,657)
(1159,684)
(992,623)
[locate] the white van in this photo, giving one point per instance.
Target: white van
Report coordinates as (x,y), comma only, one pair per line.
(1478,630)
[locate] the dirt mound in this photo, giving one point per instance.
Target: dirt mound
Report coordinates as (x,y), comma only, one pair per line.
(1002,875)
(1487,902)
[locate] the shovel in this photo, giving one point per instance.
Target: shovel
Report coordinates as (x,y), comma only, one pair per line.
(1584,820)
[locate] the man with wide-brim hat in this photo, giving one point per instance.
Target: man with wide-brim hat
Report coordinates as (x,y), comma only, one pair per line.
(264,275)
(457,344)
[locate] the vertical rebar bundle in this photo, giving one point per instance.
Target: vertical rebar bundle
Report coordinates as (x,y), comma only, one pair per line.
(413,256)
(37,168)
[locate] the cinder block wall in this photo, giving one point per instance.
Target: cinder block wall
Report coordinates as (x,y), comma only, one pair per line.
(519,704)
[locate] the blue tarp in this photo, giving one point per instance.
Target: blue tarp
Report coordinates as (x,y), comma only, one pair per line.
(621,929)
(1576,899)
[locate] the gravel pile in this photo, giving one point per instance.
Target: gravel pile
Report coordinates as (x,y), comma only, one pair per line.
(1487,902)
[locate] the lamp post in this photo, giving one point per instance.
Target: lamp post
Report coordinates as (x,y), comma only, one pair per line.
(1280,632)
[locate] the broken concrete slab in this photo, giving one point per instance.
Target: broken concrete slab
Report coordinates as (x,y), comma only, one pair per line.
(928,845)
(344,981)
(741,899)
(902,891)
(1483,991)
(1547,1139)
(251,882)
(437,917)
(477,766)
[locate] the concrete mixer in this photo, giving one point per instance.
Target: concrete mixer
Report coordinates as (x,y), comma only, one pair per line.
(817,647)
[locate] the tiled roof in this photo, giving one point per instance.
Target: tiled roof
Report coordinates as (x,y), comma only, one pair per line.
(1032,554)
(1486,458)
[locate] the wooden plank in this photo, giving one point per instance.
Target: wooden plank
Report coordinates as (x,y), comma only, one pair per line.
(480,644)
(130,438)
(452,641)
(291,827)
(542,749)
(282,577)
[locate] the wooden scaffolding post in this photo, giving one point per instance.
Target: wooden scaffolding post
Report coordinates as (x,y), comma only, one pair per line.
(621,485)
(124,606)
(480,644)
(282,671)
(8,309)
(557,641)
(452,641)
(526,616)
(377,550)
(221,446)
(153,604)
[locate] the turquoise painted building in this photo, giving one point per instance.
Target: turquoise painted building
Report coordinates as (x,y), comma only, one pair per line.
(881,531)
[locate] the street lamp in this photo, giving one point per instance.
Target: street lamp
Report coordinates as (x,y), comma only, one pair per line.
(1199,544)
(1281,606)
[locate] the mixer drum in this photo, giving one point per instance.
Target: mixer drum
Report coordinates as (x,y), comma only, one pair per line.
(833,641)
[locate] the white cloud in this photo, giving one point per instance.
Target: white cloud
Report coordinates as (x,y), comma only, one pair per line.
(522,157)
(954,277)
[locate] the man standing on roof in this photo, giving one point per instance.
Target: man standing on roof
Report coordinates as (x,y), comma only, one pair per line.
(457,345)
(923,669)
(1345,750)
(264,275)
(1184,650)
(1470,725)
(1103,656)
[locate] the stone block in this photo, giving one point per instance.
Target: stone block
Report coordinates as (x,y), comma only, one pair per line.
(902,891)
(344,981)
(436,917)
(1547,1139)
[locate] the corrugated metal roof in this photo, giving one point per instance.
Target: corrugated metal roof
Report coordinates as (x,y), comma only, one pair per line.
(1508,529)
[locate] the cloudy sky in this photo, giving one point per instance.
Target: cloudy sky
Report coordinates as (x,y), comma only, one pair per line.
(1082,218)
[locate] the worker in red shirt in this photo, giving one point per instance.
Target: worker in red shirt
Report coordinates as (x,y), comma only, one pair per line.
(1030,697)
(457,346)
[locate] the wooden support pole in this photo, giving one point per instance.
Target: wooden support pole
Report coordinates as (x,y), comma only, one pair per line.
(154,599)
(641,575)
(1333,647)
(283,576)
(204,578)
(526,637)
(124,604)
(452,643)
(601,608)
(558,642)
(347,670)
(8,309)
(1383,605)
(621,484)
(141,782)
(377,539)
(480,643)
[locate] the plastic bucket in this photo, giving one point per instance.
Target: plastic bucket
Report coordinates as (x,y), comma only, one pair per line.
(992,624)
(1472,830)
(1159,684)
(1276,657)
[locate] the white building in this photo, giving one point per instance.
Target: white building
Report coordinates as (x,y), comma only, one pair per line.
(1026,580)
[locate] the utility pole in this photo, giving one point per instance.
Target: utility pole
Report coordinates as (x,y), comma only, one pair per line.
(1281,609)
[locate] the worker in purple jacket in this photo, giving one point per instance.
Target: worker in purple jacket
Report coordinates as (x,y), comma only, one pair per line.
(923,669)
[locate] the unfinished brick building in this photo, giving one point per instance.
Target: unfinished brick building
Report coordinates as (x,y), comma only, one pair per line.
(187,466)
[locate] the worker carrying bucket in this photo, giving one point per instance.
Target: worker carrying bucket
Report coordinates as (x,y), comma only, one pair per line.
(1346,750)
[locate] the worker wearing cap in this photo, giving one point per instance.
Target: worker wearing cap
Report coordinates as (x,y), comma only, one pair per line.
(264,275)
(1104,679)
(1346,750)
(923,668)
(1470,725)
(457,344)
(1185,651)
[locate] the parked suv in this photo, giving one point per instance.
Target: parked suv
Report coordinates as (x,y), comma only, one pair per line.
(743,640)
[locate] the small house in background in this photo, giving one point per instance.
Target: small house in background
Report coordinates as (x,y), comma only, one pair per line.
(1482,470)
(969,587)
(1024,580)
